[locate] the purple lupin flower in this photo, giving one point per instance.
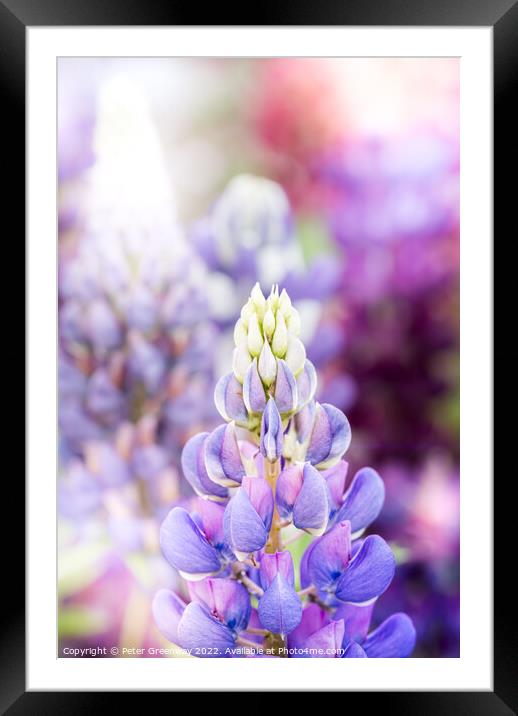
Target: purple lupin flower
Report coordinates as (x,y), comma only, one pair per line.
(280,608)
(284,475)
(135,330)
(248,517)
(302,495)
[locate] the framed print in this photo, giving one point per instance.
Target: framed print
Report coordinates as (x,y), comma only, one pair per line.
(259,354)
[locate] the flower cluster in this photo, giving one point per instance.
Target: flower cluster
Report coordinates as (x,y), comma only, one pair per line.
(134,330)
(273,472)
(250,234)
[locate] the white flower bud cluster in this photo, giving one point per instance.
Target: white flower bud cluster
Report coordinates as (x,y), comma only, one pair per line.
(268,329)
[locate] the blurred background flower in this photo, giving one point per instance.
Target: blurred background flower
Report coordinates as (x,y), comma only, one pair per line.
(182,183)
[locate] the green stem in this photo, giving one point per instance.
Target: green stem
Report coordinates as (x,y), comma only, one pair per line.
(306,591)
(274,543)
(242,577)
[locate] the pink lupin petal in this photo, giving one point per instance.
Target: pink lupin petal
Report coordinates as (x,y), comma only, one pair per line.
(335,478)
(287,489)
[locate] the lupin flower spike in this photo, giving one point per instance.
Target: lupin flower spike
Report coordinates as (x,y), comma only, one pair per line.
(273,472)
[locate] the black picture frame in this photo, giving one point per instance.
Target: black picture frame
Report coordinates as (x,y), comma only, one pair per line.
(502,15)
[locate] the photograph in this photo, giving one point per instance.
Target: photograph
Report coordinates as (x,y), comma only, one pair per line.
(258,309)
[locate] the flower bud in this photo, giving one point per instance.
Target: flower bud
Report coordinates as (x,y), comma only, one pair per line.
(247,311)
(267,365)
(285,306)
(269,323)
(295,354)
(280,337)
(273,298)
(271,432)
(258,300)
(255,340)
(240,361)
(240,332)
(293,322)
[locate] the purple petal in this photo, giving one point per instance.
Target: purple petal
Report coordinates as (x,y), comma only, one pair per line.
(357,619)
(194,470)
(330,437)
(167,608)
(199,630)
(256,624)
(369,573)
(261,498)
(227,600)
(330,557)
(185,547)
(245,531)
(335,478)
(305,579)
(274,564)
(304,421)
(313,619)
(306,384)
(363,500)
(327,642)
(311,509)
(211,520)
(288,486)
(271,432)
(228,397)
(354,651)
(222,457)
(280,608)
(253,390)
(393,639)
(286,394)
